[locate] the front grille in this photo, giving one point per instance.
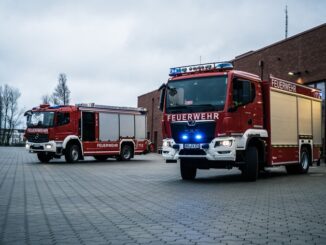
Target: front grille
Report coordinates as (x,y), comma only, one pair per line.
(38,138)
(188,152)
(206,129)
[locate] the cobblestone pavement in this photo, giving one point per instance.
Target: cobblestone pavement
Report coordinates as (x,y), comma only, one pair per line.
(145,202)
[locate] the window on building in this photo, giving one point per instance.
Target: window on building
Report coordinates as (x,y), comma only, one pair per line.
(321,86)
(155,139)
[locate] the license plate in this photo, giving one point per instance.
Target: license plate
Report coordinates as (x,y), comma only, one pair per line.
(192,146)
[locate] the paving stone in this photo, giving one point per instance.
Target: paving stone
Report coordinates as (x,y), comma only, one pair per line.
(145,202)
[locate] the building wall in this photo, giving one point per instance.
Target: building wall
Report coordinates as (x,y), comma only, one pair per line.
(150,101)
(304,53)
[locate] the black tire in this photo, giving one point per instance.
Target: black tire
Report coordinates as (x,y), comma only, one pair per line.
(44,157)
(303,166)
(72,153)
(250,171)
(101,158)
(305,160)
(187,172)
(126,153)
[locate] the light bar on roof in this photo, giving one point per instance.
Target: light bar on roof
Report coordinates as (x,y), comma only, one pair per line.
(202,67)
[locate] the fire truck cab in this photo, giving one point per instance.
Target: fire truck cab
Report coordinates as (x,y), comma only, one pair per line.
(218,117)
(86,130)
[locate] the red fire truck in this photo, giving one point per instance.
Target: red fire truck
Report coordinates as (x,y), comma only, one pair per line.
(86,130)
(218,117)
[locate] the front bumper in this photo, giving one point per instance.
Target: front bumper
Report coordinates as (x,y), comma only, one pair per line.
(213,151)
(51,146)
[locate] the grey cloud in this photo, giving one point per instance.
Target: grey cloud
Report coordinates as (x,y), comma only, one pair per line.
(113,51)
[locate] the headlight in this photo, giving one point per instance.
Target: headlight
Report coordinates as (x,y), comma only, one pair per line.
(27,146)
(48,146)
(167,143)
(226,143)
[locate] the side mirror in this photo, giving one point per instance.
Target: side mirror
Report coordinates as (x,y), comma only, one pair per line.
(162,96)
(28,113)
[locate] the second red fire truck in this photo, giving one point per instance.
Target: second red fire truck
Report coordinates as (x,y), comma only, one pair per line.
(86,130)
(218,117)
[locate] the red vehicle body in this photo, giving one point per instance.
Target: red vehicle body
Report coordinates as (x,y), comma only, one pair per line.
(86,130)
(217,117)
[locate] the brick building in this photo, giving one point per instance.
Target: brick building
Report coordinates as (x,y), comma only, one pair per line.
(150,101)
(300,58)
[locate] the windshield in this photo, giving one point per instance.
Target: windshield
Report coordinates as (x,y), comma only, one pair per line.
(196,94)
(40,119)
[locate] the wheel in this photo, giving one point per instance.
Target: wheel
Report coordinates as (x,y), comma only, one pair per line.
(187,172)
(101,158)
(72,153)
(305,160)
(126,153)
(250,170)
(44,157)
(303,166)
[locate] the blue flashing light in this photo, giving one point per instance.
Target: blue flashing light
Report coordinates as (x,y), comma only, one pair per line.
(55,107)
(175,71)
(198,137)
(185,137)
(223,66)
(192,137)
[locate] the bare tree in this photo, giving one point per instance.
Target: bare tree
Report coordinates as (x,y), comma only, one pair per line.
(55,100)
(14,114)
(46,99)
(5,104)
(11,114)
(61,93)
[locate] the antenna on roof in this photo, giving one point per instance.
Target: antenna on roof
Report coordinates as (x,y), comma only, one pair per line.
(286,21)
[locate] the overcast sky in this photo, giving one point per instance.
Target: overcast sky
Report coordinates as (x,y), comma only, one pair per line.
(114,51)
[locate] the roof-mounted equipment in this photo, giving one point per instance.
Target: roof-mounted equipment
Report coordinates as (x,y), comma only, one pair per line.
(215,66)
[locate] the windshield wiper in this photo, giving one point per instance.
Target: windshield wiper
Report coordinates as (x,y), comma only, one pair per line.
(193,108)
(179,108)
(206,106)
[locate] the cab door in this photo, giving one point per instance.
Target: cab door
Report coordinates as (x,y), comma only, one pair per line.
(88,126)
(243,98)
(64,125)
(88,132)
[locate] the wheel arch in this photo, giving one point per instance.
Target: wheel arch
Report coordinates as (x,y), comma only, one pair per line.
(306,145)
(71,139)
(128,142)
